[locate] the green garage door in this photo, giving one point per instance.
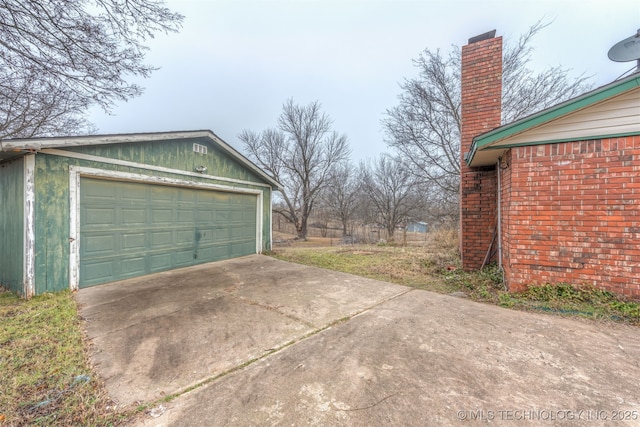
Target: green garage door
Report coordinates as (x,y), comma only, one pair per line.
(129,229)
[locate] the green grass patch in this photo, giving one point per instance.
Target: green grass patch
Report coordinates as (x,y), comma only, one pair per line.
(46,378)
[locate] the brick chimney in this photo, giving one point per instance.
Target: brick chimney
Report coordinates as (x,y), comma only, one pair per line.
(481,109)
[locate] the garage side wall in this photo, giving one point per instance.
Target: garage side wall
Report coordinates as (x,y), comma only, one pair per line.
(52,197)
(12,225)
(574,215)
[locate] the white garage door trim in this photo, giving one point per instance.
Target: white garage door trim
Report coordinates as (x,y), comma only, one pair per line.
(76,172)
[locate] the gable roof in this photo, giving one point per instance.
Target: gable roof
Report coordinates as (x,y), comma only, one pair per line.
(609,111)
(16,147)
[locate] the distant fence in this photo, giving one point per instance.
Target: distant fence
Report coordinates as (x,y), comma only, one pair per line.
(357,233)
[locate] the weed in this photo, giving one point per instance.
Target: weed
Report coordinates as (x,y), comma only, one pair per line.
(627,309)
(484,293)
(505,300)
(585,301)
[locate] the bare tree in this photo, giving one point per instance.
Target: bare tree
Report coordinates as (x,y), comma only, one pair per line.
(59,57)
(392,191)
(322,218)
(341,195)
(301,154)
(439,206)
(424,128)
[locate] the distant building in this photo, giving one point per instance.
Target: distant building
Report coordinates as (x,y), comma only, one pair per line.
(417,227)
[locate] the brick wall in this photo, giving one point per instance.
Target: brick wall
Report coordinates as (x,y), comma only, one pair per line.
(571,213)
(481,76)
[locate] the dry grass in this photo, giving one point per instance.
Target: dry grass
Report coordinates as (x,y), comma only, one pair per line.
(418,266)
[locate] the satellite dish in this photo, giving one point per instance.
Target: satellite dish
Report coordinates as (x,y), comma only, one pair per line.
(626,50)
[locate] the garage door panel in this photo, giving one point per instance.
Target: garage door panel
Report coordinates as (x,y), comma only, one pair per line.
(162,194)
(133,216)
(185,236)
(133,241)
(186,216)
(221,235)
(133,193)
(98,271)
(241,232)
(220,251)
(186,195)
(223,215)
(159,262)
(100,215)
(202,237)
(102,190)
(237,249)
(130,229)
(206,235)
(161,239)
(205,216)
(133,266)
(100,244)
(162,216)
(184,257)
(207,252)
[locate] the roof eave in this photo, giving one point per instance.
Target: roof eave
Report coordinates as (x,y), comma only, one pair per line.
(484,141)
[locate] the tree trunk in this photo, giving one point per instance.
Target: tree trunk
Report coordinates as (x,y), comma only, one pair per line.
(301,228)
(390,231)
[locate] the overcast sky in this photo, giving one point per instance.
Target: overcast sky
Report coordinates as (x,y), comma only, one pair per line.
(234,63)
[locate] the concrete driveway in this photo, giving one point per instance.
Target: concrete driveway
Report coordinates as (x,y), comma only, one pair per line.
(266,342)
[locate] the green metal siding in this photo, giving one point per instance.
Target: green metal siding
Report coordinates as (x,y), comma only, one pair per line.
(130,229)
(51,224)
(174,154)
(12,225)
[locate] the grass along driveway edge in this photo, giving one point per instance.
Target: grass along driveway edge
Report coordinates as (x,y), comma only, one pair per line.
(437,268)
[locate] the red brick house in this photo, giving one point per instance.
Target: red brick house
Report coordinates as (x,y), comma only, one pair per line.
(553,197)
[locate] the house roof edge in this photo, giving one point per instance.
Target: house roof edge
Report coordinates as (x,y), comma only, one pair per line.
(485,140)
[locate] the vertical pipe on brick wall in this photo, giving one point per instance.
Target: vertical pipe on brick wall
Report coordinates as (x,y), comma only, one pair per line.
(499,201)
(499,196)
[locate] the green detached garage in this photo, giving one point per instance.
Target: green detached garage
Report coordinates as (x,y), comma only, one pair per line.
(82,211)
